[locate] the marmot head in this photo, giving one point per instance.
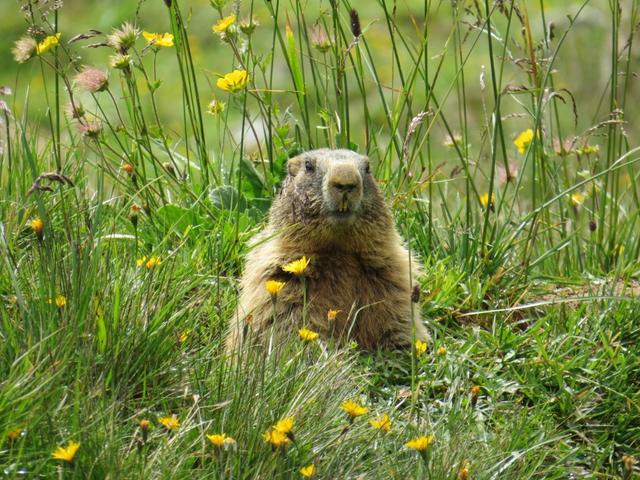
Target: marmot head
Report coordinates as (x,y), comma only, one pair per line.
(331,193)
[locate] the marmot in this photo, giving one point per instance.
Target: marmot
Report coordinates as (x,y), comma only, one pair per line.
(331,211)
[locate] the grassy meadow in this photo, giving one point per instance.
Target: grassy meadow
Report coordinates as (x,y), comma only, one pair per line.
(141,145)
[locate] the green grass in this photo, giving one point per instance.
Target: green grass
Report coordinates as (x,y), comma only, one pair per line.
(531,297)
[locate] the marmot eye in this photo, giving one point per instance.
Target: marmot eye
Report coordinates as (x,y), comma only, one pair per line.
(308,166)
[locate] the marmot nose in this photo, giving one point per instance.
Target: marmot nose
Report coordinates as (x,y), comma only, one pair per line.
(344,187)
(344,179)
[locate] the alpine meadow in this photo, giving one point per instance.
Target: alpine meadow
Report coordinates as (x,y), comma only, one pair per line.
(142,144)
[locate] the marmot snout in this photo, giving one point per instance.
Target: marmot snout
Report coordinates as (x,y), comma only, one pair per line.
(331,211)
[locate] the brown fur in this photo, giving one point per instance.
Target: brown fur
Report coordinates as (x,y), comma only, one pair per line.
(358,264)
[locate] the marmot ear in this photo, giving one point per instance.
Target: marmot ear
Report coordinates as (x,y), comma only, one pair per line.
(293,165)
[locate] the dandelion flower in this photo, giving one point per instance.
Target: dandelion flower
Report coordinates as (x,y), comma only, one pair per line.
(421,347)
(419,443)
(153,262)
(475,390)
(284,426)
(170,423)
(129,168)
(61,301)
(523,140)
(144,424)
(307,335)
(463,473)
(353,409)
(67,453)
(308,471)
(276,438)
(274,287)
(92,80)
(216,107)
(484,200)
(576,199)
(159,39)
(223,24)
(15,434)
(220,440)
(48,43)
(297,267)
(24,49)
(141,261)
(382,423)
(332,314)
(233,82)
(37,225)
(442,350)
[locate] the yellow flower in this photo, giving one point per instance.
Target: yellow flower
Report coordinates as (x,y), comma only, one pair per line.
(144,424)
(297,267)
(484,200)
(274,287)
(308,471)
(332,314)
(442,350)
(220,440)
(419,443)
(475,390)
(159,39)
(152,262)
(224,24)
(37,225)
(141,261)
(170,423)
(576,199)
(353,409)
(48,43)
(15,434)
(61,301)
(463,473)
(276,438)
(307,335)
(421,347)
(284,426)
(216,107)
(523,140)
(66,453)
(233,82)
(382,423)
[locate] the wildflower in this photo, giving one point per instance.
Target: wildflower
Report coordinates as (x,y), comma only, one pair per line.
(308,471)
(382,423)
(421,347)
(508,173)
(353,409)
(38,226)
(216,107)
(523,140)
(475,390)
(144,424)
(120,61)
(285,426)
(419,443)
(576,199)
(92,80)
(221,440)
(141,261)
(153,262)
(24,49)
(67,453)
(170,423)
(75,110)
(297,267)
(15,434)
(48,43)
(274,287)
(332,314)
(123,38)
(248,25)
(183,336)
(61,301)
(307,335)
(484,200)
(159,39)
(588,150)
(90,129)
(319,39)
(463,473)
(224,24)
(129,168)
(233,82)
(442,350)
(276,438)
